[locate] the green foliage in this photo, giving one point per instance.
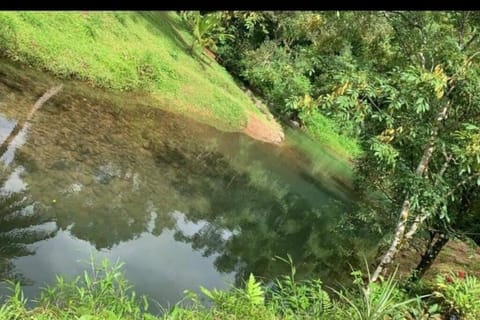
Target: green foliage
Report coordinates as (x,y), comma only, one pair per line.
(273,71)
(14,306)
(306,299)
(100,292)
(402,83)
(459,293)
(206,29)
(324,130)
(238,303)
(287,299)
(283,56)
(467,149)
(375,301)
(382,78)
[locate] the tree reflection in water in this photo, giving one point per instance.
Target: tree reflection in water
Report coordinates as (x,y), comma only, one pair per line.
(253,216)
(21,225)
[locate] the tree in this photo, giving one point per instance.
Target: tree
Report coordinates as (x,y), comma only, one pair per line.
(404,82)
(416,114)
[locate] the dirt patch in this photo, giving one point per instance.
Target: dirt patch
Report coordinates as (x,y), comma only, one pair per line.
(262,129)
(455,256)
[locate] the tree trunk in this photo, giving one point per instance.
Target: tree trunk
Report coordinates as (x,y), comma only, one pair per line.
(431,252)
(405,211)
(395,245)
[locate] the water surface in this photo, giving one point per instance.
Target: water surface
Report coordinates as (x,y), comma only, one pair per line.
(181,203)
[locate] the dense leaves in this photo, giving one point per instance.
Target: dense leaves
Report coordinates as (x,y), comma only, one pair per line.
(404,83)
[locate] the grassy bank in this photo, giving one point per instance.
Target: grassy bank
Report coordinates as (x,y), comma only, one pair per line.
(128,51)
(102,293)
(145,51)
(322,129)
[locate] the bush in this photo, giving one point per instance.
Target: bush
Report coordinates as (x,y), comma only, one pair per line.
(206,29)
(274,72)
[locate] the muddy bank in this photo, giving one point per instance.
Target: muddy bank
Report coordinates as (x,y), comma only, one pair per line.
(264,130)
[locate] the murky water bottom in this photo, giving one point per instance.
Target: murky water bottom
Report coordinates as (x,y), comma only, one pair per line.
(181,203)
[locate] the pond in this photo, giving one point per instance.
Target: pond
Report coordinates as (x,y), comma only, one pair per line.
(180,203)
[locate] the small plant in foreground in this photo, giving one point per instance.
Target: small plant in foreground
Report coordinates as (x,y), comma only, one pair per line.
(375,300)
(237,303)
(14,306)
(460,293)
(102,292)
(304,299)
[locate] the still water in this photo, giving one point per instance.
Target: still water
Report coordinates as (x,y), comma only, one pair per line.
(180,203)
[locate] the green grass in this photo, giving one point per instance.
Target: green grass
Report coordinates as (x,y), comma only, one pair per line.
(103,293)
(145,51)
(322,129)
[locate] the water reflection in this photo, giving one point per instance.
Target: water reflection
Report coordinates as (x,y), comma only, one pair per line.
(252,218)
(21,225)
(21,221)
(181,203)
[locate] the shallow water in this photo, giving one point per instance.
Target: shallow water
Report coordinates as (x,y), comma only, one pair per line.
(181,203)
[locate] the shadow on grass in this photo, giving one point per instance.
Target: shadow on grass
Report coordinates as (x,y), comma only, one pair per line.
(162,23)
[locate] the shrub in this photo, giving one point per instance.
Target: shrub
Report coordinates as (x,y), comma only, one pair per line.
(206,29)
(274,72)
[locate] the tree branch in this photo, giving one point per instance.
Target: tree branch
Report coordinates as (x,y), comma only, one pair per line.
(469,42)
(448,158)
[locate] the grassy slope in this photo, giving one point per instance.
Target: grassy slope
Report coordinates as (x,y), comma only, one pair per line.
(141,51)
(322,129)
(128,51)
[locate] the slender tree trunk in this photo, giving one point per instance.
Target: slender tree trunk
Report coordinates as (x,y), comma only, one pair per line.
(431,252)
(399,236)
